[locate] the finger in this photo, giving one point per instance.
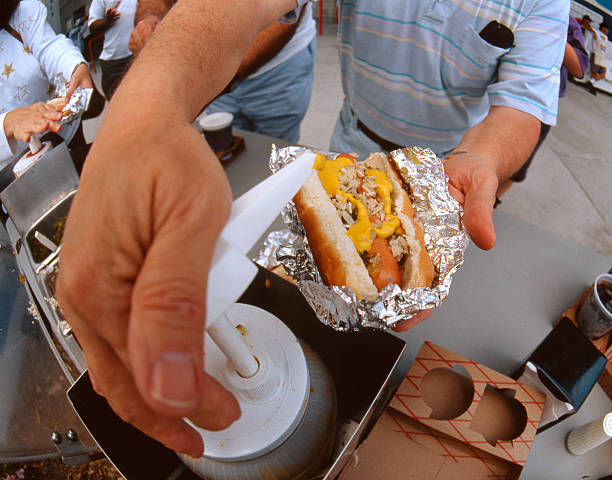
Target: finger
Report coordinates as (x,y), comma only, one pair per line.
(207,415)
(52,114)
(54,127)
(478,214)
(135,43)
(72,86)
(112,380)
(140,35)
(165,339)
(418,318)
(80,78)
(456,193)
(55,107)
(39,125)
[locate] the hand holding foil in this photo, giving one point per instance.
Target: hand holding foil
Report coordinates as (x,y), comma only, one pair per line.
(22,123)
(75,94)
(473,182)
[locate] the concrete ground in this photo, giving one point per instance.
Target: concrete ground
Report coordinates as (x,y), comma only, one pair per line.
(568,189)
(569,186)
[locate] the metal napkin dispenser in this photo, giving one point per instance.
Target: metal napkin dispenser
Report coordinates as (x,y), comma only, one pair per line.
(37,203)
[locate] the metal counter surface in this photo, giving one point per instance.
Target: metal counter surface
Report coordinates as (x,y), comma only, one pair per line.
(502,304)
(32,386)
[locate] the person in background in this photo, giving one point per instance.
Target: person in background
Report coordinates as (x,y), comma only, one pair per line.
(576,64)
(439,74)
(78,32)
(114,19)
(594,41)
(473,89)
(271,90)
(585,25)
(598,60)
(32,57)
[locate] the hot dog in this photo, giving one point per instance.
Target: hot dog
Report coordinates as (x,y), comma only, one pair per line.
(361,227)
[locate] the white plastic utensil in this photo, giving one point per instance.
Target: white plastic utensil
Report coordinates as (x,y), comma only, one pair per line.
(231,271)
(271,369)
(252,213)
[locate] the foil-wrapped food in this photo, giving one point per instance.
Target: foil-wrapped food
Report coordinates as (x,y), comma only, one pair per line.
(438,229)
(77,103)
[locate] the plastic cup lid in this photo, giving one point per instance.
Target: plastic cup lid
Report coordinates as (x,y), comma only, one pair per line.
(216,121)
(604,308)
(607,424)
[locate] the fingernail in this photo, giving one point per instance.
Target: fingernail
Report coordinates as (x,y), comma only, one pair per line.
(175,380)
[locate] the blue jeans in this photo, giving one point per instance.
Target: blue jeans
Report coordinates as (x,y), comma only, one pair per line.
(347,136)
(275,102)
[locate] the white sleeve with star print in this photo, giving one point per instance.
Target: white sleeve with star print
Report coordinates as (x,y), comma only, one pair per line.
(56,53)
(8,148)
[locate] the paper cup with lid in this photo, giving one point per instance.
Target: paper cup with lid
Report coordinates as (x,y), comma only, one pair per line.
(217,129)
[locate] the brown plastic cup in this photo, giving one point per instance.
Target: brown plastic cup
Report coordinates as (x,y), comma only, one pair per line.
(595,314)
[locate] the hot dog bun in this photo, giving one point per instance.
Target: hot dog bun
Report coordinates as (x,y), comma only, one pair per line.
(58,102)
(336,255)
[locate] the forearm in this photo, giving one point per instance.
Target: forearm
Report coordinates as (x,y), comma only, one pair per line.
(193,53)
(98,26)
(505,139)
(266,46)
(572,62)
(6,149)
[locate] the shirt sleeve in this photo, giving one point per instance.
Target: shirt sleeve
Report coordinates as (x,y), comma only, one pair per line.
(293,15)
(7,147)
(96,11)
(528,75)
(55,53)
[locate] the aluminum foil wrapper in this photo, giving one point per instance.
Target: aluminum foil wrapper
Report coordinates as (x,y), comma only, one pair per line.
(341,308)
(78,103)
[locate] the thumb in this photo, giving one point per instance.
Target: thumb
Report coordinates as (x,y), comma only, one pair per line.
(166,330)
(478,214)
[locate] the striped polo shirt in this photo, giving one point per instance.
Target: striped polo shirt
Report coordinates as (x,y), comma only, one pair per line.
(417,72)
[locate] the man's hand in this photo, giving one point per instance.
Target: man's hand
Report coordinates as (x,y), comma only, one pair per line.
(39,117)
(134,262)
(102,24)
(80,78)
(112,15)
(473,183)
(489,154)
(142,32)
(151,203)
(414,321)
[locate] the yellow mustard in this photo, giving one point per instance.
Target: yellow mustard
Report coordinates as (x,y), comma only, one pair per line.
(361,231)
(384,186)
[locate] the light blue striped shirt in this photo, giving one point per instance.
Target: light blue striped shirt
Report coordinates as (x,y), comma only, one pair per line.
(417,72)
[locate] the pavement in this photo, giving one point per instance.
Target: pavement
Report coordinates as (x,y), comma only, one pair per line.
(568,189)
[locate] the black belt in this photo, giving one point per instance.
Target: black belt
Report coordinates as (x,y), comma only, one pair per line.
(385,144)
